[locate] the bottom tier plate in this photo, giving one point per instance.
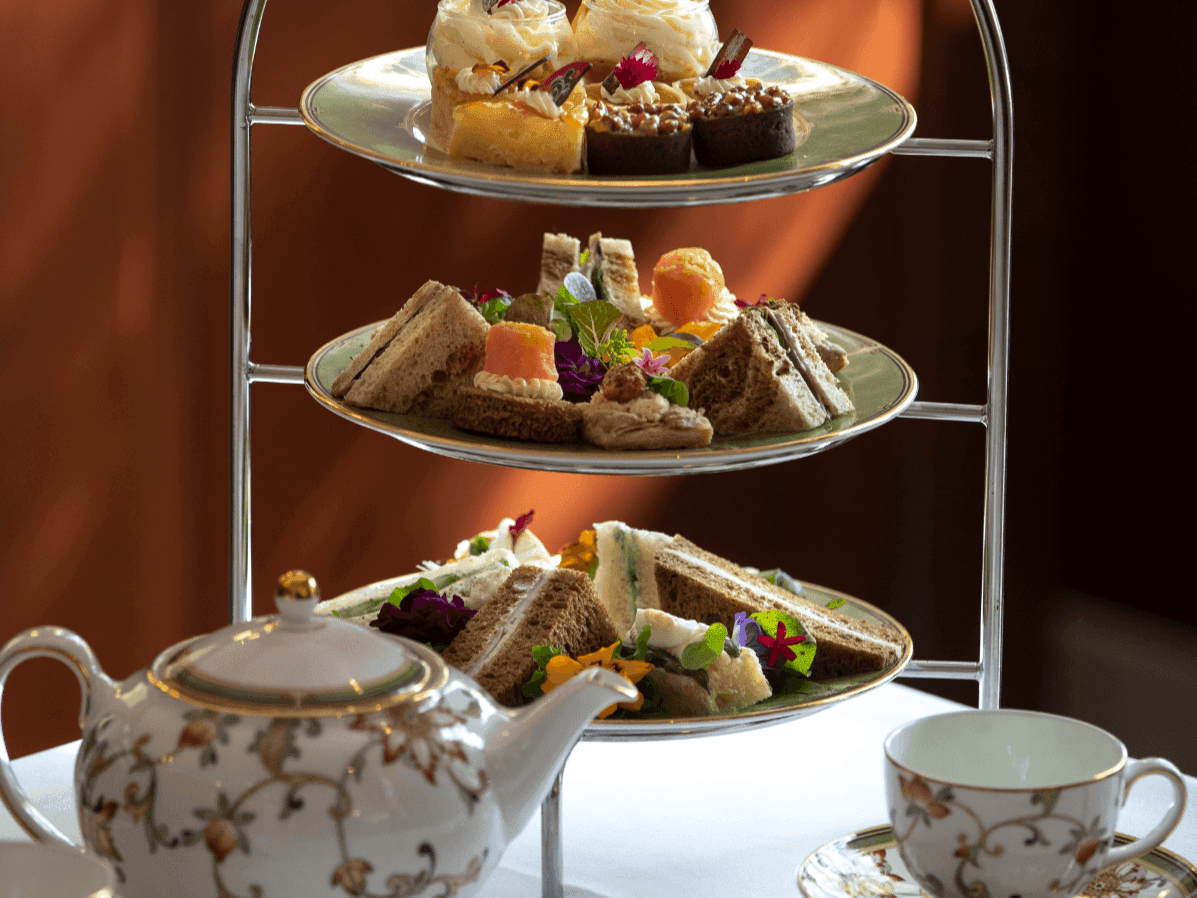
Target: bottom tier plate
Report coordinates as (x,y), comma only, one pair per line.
(867,864)
(880,382)
(811,697)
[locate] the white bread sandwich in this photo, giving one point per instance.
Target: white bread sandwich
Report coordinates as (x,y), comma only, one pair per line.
(558,257)
(416,362)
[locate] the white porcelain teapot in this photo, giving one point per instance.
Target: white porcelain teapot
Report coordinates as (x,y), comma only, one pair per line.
(299,754)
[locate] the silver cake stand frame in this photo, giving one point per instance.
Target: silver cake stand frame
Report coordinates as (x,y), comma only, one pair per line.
(999,150)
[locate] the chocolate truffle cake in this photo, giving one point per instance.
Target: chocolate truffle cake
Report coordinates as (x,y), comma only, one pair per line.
(745,124)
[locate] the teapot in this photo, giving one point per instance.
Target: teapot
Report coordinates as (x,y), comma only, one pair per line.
(300,754)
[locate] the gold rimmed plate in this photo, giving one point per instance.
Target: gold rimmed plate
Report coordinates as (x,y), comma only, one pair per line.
(812,696)
(379,108)
(867,864)
(880,382)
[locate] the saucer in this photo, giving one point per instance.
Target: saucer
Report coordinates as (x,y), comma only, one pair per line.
(866,864)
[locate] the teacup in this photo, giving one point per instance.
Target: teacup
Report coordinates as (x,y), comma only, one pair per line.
(36,868)
(1013,804)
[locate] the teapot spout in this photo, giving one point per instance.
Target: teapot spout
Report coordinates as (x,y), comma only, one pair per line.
(526,753)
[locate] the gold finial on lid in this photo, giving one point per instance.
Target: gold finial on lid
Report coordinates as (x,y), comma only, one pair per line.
(297,585)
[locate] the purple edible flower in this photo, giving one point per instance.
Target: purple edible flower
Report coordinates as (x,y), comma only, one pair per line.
(653,364)
(425,616)
(746,633)
(577,372)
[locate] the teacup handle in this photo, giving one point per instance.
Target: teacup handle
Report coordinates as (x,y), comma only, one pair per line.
(1155,838)
(61,645)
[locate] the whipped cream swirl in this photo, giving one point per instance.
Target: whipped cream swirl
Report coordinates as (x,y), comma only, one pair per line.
(528,387)
(681,33)
(518,33)
(486,81)
(706,85)
(541,102)
(645,92)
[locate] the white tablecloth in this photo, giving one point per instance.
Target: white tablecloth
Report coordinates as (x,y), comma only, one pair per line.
(718,816)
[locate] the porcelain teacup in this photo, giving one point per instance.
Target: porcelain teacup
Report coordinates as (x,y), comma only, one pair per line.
(35,869)
(1013,804)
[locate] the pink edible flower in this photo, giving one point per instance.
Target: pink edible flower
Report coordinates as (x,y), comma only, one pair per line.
(653,364)
(637,67)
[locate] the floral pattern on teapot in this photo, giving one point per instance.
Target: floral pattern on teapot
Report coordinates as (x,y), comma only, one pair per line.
(430,740)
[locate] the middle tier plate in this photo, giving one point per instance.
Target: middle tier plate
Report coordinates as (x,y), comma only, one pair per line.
(879,381)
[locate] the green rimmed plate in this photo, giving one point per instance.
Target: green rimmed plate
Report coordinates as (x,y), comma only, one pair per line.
(880,382)
(380,108)
(812,697)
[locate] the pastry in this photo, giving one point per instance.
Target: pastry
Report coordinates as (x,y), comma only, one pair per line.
(745,124)
(640,139)
(474,44)
(762,373)
(526,125)
(626,414)
(416,362)
(688,286)
(533,607)
(681,33)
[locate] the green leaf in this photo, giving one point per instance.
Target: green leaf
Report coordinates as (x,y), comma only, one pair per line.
(592,321)
(664,344)
(541,655)
(618,347)
(495,310)
(673,390)
(399,593)
(599,280)
(804,652)
(478,545)
(836,603)
(701,653)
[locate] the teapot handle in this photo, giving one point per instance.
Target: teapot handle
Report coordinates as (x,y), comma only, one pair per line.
(61,645)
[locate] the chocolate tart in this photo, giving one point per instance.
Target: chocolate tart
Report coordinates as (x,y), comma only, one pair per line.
(640,139)
(745,124)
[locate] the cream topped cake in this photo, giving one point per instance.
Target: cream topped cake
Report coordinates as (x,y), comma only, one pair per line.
(527,124)
(681,33)
(474,44)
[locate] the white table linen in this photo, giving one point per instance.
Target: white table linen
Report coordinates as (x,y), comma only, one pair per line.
(710,817)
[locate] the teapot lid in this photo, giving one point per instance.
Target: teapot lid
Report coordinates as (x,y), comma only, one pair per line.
(297,663)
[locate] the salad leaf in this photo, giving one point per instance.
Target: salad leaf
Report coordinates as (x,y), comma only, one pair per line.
(592,322)
(541,655)
(701,653)
(673,390)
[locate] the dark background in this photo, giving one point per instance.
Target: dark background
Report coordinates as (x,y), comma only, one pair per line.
(114,247)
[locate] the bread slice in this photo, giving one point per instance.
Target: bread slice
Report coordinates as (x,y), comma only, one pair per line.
(556,607)
(517,417)
(693,583)
(615,258)
(762,373)
(559,255)
(415,362)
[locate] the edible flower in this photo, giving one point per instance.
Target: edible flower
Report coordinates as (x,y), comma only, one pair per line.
(653,364)
(637,67)
(745,303)
(491,302)
(582,555)
(521,524)
(419,612)
(779,645)
(577,372)
(560,668)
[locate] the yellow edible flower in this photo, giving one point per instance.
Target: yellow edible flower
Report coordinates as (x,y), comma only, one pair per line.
(580,556)
(561,667)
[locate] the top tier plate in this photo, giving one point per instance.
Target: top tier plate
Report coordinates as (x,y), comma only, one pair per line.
(380,108)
